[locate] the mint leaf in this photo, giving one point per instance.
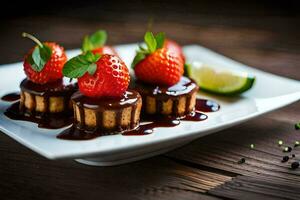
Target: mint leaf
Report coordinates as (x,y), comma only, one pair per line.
(138,57)
(79,65)
(76,67)
(99,38)
(40,56)
(90,57)
(92,68)
(150,41)
(94,41)
(86,45)
(160,39)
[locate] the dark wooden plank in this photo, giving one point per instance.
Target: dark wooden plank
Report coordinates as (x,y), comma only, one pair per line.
(266,176)
(245,187)
(23,171)
(223,150)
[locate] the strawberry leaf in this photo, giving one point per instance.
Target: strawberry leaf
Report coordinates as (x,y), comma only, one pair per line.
(79,65)
(160,39)
(138,57)
(92,68)
(90,57)
(86,45)
(94,41)
(150,41)
(40,56)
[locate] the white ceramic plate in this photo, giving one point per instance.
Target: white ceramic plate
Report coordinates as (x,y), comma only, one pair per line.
(269,92)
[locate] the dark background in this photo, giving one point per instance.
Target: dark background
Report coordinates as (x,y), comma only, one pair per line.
(230,27)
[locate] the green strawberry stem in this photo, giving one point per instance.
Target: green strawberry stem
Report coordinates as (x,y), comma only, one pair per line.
(27,35)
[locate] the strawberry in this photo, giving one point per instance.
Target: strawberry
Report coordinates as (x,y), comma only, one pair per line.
(44,62)
(98,75)
(174,47)
(156,64)
(96,44)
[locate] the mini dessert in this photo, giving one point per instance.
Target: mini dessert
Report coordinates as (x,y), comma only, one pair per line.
(45,95)
(159,79)
(176,100)
(96,44)
(103,105)
(108,115)
(44,90)
(52,97)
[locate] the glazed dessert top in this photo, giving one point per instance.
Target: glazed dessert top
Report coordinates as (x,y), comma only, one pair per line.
(59,87)
(183,87)
(129,98)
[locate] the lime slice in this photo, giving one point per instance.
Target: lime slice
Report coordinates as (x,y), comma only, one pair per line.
(219,81)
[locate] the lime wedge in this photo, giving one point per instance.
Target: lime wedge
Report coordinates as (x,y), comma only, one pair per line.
(219,81)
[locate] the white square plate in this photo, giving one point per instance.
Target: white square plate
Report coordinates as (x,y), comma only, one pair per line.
(269,92)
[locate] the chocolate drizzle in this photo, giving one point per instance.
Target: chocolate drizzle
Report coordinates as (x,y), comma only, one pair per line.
(14,96)
(44,120)
(183,87)
(149,123)
(206,105)
(60,87)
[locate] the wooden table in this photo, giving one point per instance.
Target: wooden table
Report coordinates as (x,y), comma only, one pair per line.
(262,35)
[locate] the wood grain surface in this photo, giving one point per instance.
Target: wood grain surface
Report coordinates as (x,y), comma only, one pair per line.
(262,34)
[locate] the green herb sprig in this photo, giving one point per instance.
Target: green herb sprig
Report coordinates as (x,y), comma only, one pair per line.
(40,55)
(94,41)
(79,65)
(153,42)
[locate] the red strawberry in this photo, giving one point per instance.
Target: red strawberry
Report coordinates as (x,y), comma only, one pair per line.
(160,67)
(98,76)
(44,62)
(157,65)
(174,47)
(96,43)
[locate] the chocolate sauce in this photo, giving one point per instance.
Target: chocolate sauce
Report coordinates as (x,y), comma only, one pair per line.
(44,120)
(129,97)
(14,96)
(195,116)
(147,126)
(60,87)
(205,105)
(183,87)
(146,129)
(77,133)
(157,122)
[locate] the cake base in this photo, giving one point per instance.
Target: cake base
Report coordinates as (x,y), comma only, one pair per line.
(177,100)
(53,97)
(94,117)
